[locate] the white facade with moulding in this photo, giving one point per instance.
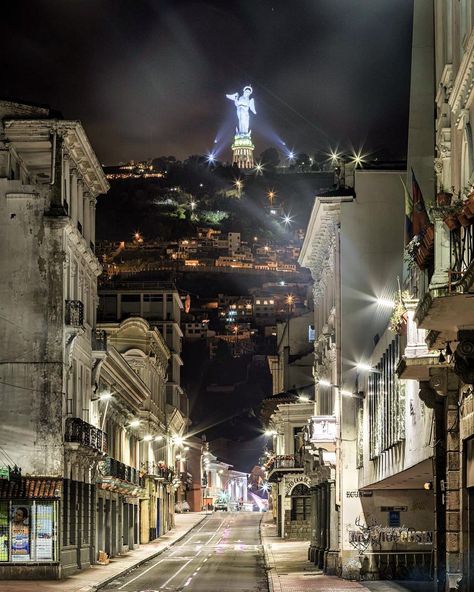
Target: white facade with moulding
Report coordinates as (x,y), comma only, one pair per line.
(49,180)
(353,248)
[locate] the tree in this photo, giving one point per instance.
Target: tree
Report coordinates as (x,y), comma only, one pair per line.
(270,158)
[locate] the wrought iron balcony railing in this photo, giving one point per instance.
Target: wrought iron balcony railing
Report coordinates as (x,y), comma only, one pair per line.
(74,313)
(462,252)
(119,470)
(99,340)
(81,432)
(285,461)
(157,470)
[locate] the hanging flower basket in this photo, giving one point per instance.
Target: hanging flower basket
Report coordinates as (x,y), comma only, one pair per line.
(464,220)
(423,256)
(468,207)
(443,198)
(428,237)
(451,222)
(399,318)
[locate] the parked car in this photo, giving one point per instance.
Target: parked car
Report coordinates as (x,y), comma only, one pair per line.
(221,505)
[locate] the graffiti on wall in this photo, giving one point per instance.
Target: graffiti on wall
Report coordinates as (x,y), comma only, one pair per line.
(375,535)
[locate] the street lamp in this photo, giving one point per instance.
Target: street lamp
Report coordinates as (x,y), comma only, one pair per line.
(105,396)
(239,184)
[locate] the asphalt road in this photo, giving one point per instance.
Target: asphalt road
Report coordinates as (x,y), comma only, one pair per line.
(222,554)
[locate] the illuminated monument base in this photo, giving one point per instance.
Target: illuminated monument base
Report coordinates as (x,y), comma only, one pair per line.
(242,151)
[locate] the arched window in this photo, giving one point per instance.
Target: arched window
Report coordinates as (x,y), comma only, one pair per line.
(300,502)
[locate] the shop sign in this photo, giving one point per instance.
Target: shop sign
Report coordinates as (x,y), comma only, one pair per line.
(358,493)
(323,429)
(292,481)
(394,509)
(376,535)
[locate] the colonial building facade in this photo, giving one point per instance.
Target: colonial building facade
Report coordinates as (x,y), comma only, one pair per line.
(49,180)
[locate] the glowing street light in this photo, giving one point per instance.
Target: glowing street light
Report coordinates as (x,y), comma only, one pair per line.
(324,382)
(259,168)
(346,393)
(211,159)
(363,367)
(291,156)
(287,219)
(270,433)
(239,184)
(105,396)
(386,302)
(358,159)
(192,205)
(271,196)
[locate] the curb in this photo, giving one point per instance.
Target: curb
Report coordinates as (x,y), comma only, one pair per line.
(268,568)
(127,570)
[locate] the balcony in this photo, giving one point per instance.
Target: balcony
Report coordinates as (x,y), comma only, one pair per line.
(186,480)
(281,464)
(322,432)
(157,471)
(447,303)
(115,469)
(84,434)
(74,316)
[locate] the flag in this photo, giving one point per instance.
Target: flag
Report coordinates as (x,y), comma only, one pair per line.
(408,214)
(419,218)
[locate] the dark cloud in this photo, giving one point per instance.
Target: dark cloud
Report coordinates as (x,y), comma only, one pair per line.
(149,77)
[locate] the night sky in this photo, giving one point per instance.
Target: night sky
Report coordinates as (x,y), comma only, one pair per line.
(149,77)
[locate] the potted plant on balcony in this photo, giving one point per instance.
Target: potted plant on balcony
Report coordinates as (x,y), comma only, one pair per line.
(443,198)
(399,318)
(468,206)
(411,250)
(449,213)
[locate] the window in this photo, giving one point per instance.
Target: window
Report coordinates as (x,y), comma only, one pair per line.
(130,304)
(300,503)
(386,395)
(153,298)
(27,531)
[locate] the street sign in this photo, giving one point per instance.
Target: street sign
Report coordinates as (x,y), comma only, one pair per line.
(5,473)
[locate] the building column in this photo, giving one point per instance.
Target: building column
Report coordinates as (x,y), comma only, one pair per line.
(333,529)
(87,222)
(80,205)
(92,222)
(73,191)
(442,252)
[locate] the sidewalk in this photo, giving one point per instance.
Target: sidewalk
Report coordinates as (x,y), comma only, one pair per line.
(290,571)
(98,576)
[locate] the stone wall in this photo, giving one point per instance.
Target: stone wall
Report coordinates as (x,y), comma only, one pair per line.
(297,530)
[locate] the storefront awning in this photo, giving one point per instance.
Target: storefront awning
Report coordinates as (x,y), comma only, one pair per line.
(31,488)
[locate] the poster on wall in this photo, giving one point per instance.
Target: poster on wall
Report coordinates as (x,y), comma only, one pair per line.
(44,532)
(20,539)
(4,531)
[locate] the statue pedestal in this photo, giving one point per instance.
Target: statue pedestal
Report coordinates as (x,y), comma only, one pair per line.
(242,151)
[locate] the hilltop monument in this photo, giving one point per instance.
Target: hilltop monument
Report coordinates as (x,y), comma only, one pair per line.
(242,146)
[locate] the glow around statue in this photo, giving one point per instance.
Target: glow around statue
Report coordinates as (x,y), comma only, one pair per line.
(243,104)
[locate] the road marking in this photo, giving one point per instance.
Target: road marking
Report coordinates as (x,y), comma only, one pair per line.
(166,558)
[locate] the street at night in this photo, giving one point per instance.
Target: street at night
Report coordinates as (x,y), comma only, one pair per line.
(237,296)
(223,553)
